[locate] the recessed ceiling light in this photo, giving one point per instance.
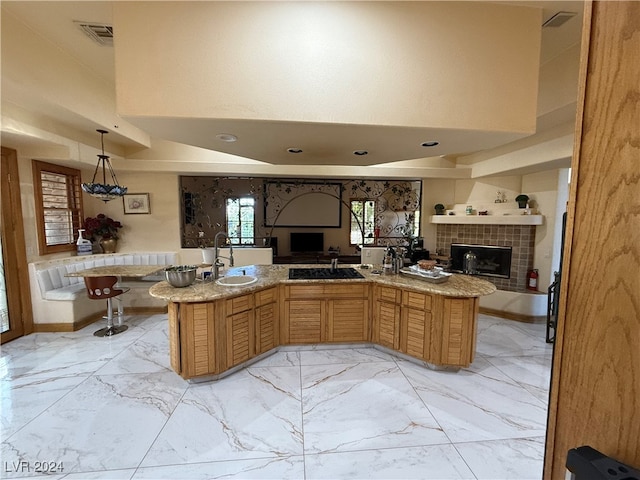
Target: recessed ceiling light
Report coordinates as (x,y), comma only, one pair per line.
(429,144)
(227,137)
(360,152)
(294,150)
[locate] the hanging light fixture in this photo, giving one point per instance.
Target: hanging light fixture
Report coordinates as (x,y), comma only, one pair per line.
(104,191)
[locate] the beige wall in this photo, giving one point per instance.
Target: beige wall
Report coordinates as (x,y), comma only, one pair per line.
(559,81)
(157,231)
(31,64)
(353,56)
(484,190)
(543,189)
(434,191)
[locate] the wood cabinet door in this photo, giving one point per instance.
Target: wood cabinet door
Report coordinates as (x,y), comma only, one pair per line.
(386,327)
(267,320)
(304,321)
(415,332)
(415,324)
(458,331)
(386,316)
(266,328)
(348,320)
(387,294)
(240,338)
(197,339)
(266,296)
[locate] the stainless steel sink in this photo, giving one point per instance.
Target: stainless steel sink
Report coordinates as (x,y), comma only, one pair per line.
(323,273)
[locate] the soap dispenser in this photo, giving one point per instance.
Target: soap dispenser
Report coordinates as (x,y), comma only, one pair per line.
(83,246)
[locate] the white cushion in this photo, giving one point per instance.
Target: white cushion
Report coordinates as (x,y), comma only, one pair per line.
(70,292)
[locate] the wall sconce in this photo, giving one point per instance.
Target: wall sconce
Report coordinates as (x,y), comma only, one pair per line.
(104,191)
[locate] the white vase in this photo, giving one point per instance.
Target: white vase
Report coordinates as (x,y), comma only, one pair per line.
(208,255)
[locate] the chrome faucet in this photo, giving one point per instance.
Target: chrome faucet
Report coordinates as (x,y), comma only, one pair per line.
(215,268)
(334,264)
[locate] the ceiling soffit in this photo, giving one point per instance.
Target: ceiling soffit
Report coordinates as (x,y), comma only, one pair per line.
(329,78)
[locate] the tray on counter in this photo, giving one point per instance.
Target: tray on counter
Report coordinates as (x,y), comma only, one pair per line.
(437,275)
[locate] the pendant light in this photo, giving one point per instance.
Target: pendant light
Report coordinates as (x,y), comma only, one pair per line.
(104,191)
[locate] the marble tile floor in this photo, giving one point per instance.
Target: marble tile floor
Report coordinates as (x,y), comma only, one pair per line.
(82,407)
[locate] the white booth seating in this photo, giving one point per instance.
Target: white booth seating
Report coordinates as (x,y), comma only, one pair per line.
(60,303)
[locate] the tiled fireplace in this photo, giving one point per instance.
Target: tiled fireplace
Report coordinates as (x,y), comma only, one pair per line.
(520,237)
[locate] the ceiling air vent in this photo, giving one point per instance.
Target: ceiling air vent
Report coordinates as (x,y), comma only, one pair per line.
(100,33)
(559,19)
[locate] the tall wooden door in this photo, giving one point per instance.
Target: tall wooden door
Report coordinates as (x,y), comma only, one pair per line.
(15,298)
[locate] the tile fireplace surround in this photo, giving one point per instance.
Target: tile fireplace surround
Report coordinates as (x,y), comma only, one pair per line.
(520,237)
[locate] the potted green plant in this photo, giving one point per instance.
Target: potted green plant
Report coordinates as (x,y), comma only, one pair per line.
(522,200)
(439,208)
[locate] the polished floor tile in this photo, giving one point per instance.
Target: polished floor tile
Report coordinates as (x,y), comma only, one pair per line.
(106,422)
(283,468)
(479,403)
(112,408)
(254,413)
(519,458)
(361,406)
(441,462)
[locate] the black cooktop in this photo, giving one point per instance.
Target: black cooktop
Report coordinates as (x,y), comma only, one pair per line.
(323,273)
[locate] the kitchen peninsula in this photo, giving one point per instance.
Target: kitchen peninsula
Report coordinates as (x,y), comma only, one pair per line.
(215,330)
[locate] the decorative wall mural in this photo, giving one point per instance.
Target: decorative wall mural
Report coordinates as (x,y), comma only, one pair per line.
(397,207)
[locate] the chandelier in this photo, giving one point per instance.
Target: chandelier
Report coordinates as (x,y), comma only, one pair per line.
(104,191)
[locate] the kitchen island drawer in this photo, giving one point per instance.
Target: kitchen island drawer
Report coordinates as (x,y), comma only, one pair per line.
(266,296)
(327,291)
(239,304)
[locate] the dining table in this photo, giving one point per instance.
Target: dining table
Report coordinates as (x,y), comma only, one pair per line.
(118,271)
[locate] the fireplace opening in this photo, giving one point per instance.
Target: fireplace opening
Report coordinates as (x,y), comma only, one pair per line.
(492,261)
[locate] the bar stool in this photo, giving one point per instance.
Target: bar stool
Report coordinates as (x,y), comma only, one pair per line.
(100,288)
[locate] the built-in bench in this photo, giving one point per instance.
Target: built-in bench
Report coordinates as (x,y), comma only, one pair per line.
(60,303)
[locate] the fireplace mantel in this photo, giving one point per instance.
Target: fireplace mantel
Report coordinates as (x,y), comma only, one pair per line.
(489,219)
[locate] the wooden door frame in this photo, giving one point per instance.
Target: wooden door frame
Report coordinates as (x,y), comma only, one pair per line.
(14,249)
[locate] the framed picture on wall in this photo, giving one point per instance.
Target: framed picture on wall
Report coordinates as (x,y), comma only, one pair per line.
(136,203)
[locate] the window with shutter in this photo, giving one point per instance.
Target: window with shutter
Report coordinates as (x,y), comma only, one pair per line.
(59,212)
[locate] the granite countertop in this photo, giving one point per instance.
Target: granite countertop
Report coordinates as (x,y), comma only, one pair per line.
(118,271)
(271,275)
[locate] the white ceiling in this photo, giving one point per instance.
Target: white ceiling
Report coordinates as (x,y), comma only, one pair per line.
(54,21)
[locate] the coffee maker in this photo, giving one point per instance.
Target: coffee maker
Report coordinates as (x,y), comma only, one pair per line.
(417,251)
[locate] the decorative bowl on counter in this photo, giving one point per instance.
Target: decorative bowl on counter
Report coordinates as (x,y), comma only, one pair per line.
(180,275)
